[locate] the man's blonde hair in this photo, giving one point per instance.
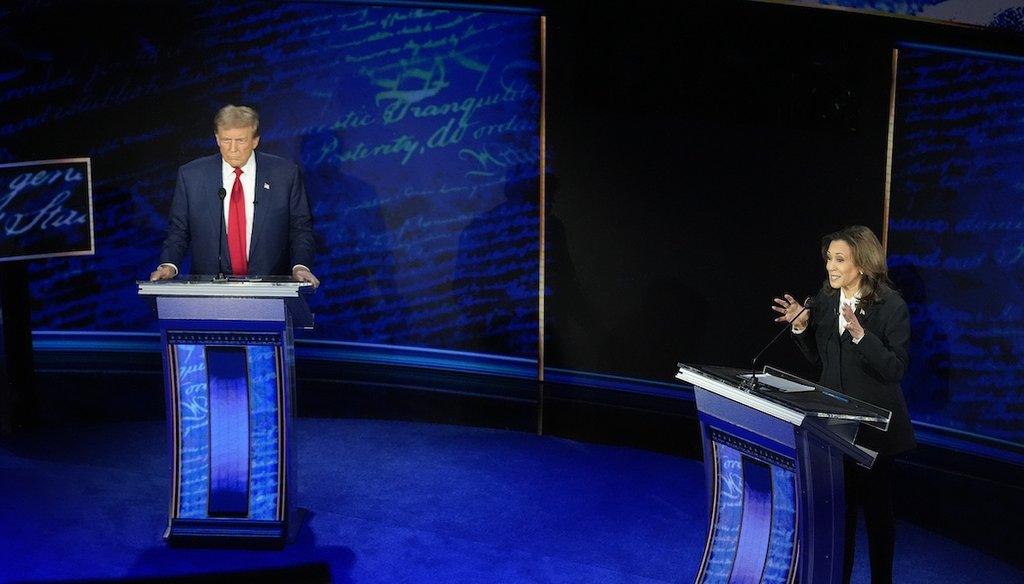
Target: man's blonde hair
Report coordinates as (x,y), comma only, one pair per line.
(237,116)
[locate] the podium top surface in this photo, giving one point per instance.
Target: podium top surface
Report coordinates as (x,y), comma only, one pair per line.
(209,286)
(797,399)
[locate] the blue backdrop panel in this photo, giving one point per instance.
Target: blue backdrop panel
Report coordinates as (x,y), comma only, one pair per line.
(417,129)
(956,236)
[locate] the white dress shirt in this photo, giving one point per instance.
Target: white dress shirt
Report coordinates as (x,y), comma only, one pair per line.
(852,303)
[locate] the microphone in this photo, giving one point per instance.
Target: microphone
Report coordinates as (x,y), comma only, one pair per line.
(220,240)
(809,302)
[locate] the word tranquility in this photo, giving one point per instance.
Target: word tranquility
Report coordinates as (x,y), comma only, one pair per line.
(47,190)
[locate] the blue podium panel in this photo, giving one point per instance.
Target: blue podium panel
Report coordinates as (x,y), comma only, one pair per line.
(774,451)
(227,401)
(752,485)
(229,371)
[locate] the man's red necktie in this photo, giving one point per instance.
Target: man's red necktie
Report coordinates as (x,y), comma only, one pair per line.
(236,228)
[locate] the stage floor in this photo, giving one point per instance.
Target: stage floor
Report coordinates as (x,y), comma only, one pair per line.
(393,502)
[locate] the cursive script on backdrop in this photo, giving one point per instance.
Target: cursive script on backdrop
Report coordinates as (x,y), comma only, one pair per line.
(45,209)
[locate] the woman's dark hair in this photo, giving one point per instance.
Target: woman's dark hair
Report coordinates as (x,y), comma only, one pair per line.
(868,256)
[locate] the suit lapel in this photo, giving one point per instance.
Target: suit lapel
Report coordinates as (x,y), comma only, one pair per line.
(213,178)
(262,193)
(831,319)
(864,314)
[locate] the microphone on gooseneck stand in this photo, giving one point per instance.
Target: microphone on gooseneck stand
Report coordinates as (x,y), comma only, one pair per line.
(808,303)
(220,239)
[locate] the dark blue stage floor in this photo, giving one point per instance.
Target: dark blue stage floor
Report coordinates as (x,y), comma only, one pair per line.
(394,502)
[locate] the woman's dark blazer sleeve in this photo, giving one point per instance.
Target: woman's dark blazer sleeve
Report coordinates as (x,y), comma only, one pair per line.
(870,370)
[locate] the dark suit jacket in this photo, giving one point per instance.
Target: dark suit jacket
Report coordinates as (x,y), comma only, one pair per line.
(282,230)
(870,370)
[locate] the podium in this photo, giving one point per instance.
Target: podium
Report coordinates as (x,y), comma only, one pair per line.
(229,372)
(774,451)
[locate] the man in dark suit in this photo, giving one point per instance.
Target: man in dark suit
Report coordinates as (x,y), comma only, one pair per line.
(269,225)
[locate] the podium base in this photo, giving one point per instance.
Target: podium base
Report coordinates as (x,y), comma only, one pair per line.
(235,533)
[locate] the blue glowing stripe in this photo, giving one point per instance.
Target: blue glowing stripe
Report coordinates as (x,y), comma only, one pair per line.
(418,357)
(457,6)
(617,383)
(73,341)
(956,51)
(229,431)
(969,443)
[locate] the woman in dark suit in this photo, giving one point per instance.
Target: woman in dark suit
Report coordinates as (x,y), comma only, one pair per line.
(859,331)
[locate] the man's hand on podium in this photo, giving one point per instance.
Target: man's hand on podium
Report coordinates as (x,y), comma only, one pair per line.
(302,274)
(164,272)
